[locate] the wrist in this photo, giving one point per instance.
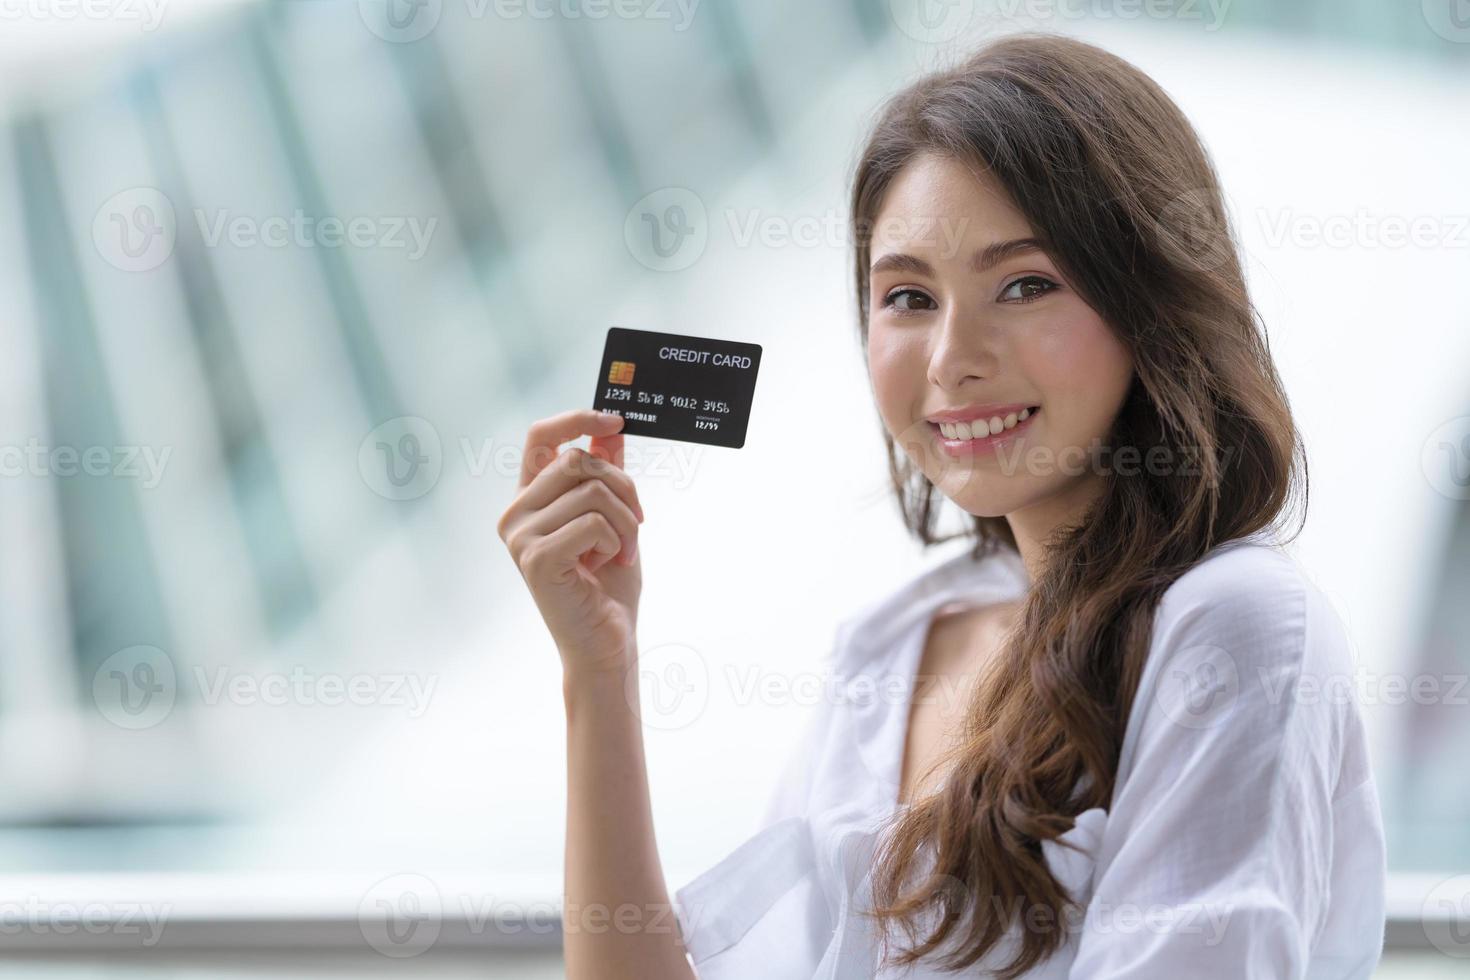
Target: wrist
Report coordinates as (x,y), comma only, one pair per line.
(581,678)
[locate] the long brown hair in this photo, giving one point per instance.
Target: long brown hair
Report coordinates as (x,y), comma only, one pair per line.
(1111,175)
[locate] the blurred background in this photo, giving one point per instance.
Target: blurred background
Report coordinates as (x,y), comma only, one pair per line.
(283,284)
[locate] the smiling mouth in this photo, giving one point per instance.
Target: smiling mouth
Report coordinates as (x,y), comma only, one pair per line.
(984,430)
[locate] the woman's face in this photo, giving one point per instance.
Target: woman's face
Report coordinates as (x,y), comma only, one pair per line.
(960,331)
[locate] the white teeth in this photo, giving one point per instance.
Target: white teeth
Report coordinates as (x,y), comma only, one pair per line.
(980,428)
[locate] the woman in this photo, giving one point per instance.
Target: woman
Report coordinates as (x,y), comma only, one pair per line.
(1121,780)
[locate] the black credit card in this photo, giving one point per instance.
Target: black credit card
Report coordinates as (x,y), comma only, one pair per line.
(672,386)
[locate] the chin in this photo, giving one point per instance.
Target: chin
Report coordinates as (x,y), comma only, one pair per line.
(967,492)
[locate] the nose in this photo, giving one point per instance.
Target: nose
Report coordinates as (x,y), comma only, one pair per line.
(965,348)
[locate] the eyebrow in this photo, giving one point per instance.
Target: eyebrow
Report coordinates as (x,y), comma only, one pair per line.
(982,261)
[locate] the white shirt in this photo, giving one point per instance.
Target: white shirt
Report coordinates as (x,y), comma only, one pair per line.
(1244,837)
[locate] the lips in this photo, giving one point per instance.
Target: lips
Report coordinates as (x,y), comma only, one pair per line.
(983,427)
(961,438)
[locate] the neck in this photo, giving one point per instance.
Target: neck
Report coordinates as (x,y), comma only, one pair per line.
(1035,524)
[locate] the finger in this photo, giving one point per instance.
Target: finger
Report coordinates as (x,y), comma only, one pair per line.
(576,466)
(543,441)
(593,495)
(627,555)
(560,550)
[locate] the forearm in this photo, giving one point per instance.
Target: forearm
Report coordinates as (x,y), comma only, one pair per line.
(618,920)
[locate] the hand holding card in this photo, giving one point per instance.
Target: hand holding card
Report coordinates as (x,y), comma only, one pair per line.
(673,386)
(571,516)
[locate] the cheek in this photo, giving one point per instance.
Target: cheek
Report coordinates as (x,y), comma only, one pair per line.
(1080,368)
(896,369)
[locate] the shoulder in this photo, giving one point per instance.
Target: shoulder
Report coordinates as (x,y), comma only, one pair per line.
(1255,599)
(1247,647)
(1251,578)
(1248,596)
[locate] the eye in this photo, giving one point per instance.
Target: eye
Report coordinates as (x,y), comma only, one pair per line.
(908,301)
(1025,296)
